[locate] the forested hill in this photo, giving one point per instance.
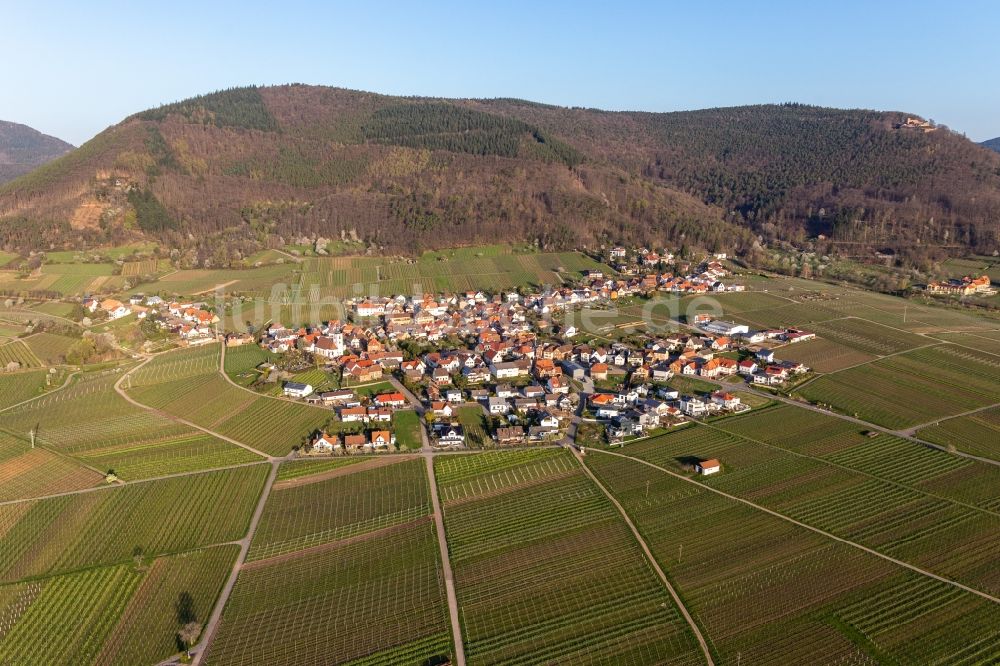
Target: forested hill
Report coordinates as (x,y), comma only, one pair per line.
(23,148)
(992,144)
(251,166)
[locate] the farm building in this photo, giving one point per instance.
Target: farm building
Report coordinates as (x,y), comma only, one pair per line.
(706,467)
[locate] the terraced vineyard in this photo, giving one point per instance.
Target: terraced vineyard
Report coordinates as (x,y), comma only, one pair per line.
(375,566)
(768,592)
(532,543)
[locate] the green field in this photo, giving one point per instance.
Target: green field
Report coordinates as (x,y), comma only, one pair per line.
(768,592)
(921,505)
(186,383)
(385,580)
(103,527)
(978,434)
(546,571)
(912,388)
(473,420)
(311,511)
(89,421)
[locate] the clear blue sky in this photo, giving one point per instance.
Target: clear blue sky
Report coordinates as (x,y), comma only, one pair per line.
(73,68)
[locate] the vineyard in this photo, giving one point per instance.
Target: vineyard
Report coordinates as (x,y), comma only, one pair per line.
(867,336)
(91,422)
(49,348)
(187,384)
(309,514)
(372,558)
(61,534)
(978,434)
(27,472)
(775,593)
(20,386)
(174,590)
(923,506)
(912,388)
(17,353)
(545,570)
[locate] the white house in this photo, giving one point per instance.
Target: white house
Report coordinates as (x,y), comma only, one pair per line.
(499,406)
(693,406)
(297,390)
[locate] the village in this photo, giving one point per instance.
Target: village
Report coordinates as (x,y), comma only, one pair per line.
(516,367)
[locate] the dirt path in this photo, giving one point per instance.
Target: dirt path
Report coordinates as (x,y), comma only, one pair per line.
(912,430)
(118,389)
(824,533)
(208,633)
(215,288)
(352,468)
(449,579)
(652,560)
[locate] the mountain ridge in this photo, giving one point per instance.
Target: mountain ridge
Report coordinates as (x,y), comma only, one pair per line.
(253,165)
(22,148)
(992,144)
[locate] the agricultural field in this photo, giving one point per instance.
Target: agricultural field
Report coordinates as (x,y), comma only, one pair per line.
(16,387)
(377,565)
(765,591)
(241,363)
(978,434)
(62,534)
(87,420)
(78,279)
(985,341)
(913,388)
(921,505)
(142,267)
(16,354)
(823,355)
(320,508)
(49,348)
(54,308)
(545,569)
(27,472)
(174,590)
(187,384)
(869,337)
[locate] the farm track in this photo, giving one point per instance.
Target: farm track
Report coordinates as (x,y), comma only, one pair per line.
(208,633)
(793,521)
(449,577)
(118,388)
(912,430)
(649,558)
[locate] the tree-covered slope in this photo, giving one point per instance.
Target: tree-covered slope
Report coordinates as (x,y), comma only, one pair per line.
(23,148)
(413,173)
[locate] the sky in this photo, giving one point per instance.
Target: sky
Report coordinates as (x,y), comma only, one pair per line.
(71,69)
